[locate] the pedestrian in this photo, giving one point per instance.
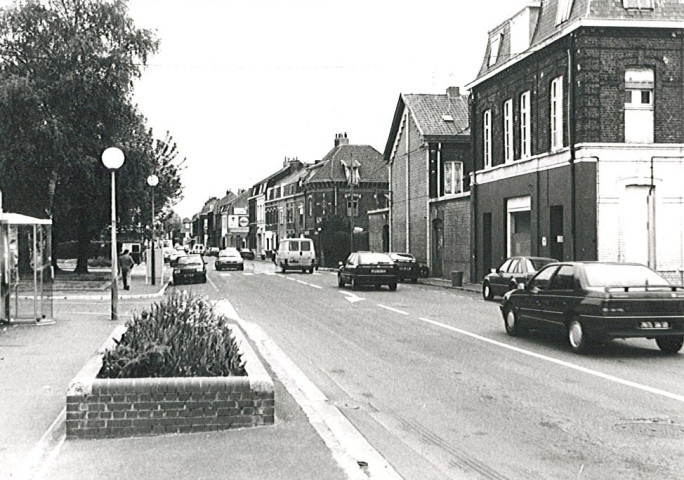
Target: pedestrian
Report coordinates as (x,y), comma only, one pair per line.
(126,263)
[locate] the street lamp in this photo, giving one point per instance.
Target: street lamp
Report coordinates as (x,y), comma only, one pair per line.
(152,181)
(113,158)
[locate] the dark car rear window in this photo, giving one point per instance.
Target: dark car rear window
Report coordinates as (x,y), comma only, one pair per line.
(616,275)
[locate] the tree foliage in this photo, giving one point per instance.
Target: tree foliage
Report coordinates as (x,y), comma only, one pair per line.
(67,69)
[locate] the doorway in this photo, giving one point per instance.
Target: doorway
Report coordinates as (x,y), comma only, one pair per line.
(557,239)
(437,247)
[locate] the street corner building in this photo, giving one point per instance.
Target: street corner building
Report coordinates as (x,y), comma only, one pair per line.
(577,124)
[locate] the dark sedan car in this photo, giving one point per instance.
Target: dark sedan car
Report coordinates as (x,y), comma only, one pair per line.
(190,269)
(593,302)
(247,254)
(513,271)
(407,266)
(368,268)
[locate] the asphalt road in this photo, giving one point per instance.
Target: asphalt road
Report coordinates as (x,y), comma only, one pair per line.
(430,378)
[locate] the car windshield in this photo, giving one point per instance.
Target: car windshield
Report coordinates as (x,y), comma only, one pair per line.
(374,258)
(190,260)
(625,275)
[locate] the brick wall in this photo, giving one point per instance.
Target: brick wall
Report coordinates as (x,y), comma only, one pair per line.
(377,221)
(105,408)
(415,161)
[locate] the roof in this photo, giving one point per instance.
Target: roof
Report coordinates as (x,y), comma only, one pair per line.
(19,219)
(435,115)
(331,169)
(543,27)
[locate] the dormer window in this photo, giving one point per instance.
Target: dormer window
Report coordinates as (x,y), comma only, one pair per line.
(494,50)
(563,12)
(638,4)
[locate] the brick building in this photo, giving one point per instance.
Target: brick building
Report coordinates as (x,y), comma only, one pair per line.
(429,154)
(577,119)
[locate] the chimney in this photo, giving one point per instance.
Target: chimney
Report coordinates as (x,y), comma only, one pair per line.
(341,139)
(453,92)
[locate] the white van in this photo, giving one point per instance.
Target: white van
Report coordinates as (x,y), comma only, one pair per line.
(296,254)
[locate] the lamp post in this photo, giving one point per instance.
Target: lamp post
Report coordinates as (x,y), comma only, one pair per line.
(152,181)
(113,158)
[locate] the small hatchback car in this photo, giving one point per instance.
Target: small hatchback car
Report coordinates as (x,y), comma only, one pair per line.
(368,268)
(229,258)
(511,273)
(189,269)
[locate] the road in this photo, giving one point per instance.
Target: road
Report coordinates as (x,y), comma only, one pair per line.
(430,378)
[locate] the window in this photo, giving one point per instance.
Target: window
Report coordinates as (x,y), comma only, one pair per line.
(352,206)
(508,131)
(495,44)
(453,178)
(638,4)
(639,83)
(564,279)
(557,113)
(525,135)
(563,12)
(487,138)
(280,215)
(311,205)
(541,280)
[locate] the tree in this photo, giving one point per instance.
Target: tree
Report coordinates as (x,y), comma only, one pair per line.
(66,74)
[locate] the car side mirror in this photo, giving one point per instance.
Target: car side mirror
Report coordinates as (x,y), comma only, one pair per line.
(493,270)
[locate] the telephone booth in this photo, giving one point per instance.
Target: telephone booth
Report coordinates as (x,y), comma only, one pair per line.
(26,274)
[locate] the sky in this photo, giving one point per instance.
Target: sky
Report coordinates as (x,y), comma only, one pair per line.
(241,85)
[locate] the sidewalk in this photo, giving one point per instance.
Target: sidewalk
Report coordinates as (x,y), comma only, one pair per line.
(37,362)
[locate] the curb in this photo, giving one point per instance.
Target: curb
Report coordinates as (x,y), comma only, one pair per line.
(106,297)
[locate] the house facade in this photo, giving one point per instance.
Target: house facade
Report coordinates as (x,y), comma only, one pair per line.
(429,156)
(577,119)
(262,238)
(231,220)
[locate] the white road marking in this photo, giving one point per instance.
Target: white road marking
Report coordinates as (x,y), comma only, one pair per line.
(348,447)
(315,286)
(588,371)
(248,274)
(351,297)
(303,283)
(212,283)
(392,309)
(291,279)
(225,274)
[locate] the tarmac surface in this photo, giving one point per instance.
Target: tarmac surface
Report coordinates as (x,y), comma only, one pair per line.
(38,360)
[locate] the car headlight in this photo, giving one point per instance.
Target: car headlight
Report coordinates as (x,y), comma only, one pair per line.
(199,269)
(176,271)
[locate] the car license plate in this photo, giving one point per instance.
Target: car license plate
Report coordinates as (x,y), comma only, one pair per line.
(655,325)
(379,271)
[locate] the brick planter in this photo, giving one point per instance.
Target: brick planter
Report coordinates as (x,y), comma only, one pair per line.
(106,408)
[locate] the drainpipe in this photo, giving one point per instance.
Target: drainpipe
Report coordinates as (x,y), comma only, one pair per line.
(473,193)
(571,141)
(391,206)
(428,249)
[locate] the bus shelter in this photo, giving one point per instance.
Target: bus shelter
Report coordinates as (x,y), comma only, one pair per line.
(26,274)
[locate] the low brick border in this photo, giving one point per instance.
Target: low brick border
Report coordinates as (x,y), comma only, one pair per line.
(107,408)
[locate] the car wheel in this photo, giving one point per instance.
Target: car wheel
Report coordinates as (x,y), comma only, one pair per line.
(282,268)
(354,284)
(670,345)
(218,269)
(242,267)
(204,279)
(311,269)
(340,282)
(487,293)
(511,323)
(414,280)
(577,337)
(392,287)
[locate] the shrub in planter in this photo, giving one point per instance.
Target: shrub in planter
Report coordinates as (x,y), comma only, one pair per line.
(182,336)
